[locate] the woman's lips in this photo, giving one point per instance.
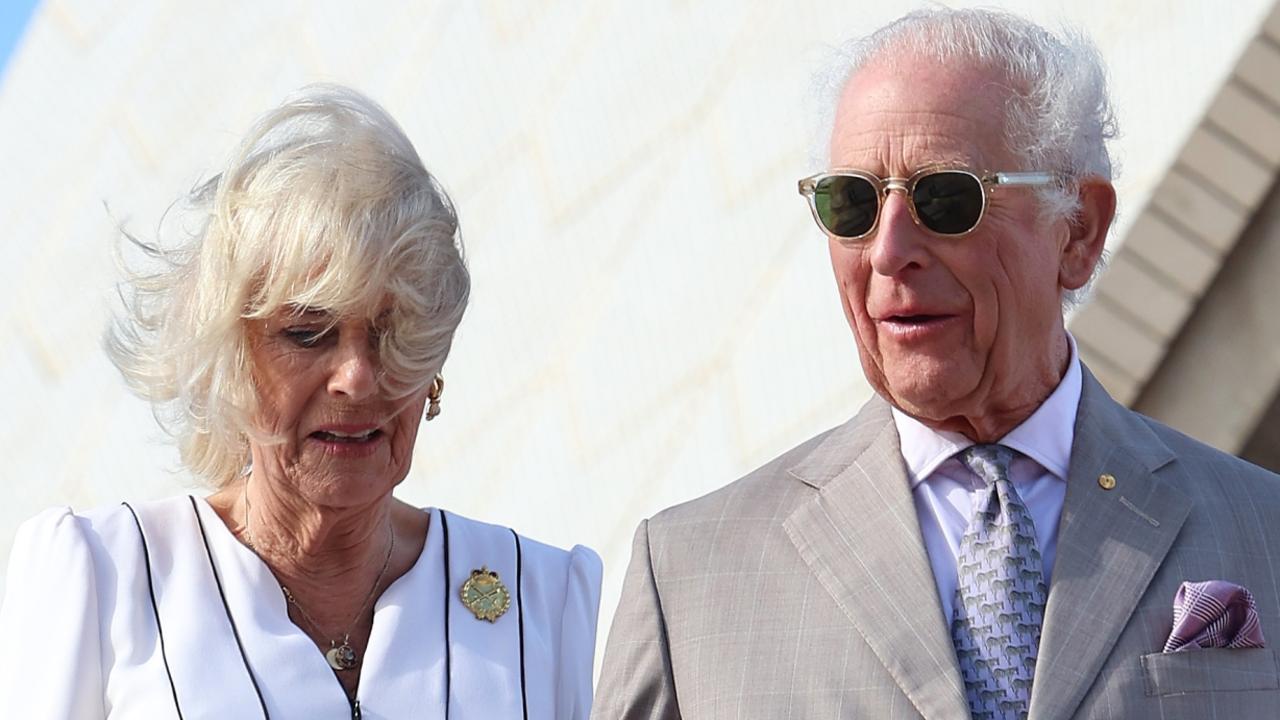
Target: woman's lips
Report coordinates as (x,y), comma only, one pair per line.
(348,443)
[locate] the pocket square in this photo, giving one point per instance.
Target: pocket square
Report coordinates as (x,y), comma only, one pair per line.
(1214,614)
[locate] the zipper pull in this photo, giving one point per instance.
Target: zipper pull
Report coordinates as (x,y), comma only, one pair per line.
(355,710)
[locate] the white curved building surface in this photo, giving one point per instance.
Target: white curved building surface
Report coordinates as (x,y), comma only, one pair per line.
(653,313)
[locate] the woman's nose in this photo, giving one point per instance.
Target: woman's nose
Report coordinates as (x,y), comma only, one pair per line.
(355,373)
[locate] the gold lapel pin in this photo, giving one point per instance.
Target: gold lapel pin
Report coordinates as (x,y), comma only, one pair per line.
(484,595)
(1106,481)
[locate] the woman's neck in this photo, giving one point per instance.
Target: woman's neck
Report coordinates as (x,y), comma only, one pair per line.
(334,562)
(307,544)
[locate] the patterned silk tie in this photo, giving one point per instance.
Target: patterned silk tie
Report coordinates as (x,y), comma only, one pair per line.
(1000,596)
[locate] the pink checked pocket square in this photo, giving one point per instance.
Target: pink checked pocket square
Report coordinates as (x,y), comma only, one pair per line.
(1214,614)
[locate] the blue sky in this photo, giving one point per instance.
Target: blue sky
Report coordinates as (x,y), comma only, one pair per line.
(13,20)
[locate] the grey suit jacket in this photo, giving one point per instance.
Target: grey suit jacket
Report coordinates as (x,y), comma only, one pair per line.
(803,590)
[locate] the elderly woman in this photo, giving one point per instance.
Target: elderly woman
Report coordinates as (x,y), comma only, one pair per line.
(292,346)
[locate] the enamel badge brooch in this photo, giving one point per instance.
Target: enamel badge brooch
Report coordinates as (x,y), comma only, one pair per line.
(484,595)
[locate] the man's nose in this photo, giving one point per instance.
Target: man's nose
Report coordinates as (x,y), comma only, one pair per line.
(898,242)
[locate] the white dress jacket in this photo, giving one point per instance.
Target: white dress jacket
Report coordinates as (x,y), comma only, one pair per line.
(155,610)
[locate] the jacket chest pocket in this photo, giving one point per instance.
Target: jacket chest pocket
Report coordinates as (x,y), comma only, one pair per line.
(1210,671)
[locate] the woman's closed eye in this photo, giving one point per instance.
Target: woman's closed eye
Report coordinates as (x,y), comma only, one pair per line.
(307,337)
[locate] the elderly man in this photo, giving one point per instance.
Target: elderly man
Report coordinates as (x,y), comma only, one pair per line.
(992,536)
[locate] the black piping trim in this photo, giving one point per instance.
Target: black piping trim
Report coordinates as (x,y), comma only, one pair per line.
(227,608)
(448,647)
(524,696)
(155,608)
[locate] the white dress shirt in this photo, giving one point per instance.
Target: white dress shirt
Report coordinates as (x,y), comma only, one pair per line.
(945,490)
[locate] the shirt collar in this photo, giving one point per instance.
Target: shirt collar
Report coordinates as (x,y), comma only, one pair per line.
(1046,436)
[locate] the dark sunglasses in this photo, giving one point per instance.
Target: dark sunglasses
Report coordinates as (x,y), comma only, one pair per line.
(948,201)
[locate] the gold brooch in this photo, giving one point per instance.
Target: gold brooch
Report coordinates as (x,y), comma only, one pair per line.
(485,595)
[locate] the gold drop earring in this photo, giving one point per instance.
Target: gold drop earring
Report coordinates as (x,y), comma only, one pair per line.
(433,396)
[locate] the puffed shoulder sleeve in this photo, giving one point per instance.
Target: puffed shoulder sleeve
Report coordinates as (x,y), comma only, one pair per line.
(49,621)
(578,632)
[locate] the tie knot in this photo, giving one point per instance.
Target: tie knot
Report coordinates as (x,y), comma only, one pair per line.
(989,462)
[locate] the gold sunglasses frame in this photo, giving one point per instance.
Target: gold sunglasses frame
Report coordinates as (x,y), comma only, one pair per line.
(988,181)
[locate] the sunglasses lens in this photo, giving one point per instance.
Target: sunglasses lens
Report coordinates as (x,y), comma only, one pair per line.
(846,204)
(948,203)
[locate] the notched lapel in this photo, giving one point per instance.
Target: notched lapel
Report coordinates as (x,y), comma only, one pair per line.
(1110,544)
(859,534)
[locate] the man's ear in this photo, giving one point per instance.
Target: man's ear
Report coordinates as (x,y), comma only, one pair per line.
(1087,233)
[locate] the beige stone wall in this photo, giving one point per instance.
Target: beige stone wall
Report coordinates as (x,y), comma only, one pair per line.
(1185,324)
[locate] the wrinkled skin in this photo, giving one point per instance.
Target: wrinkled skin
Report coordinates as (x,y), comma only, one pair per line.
(305,385)
(965,333)
(322,518)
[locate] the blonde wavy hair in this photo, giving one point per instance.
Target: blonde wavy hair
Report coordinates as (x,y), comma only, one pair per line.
(324,204)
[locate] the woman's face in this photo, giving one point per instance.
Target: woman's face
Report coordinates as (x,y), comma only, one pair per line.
(344,442)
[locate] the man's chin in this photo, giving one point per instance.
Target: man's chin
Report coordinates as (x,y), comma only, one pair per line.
(923,395)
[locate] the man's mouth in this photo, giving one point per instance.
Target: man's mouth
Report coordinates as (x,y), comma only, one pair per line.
(914,319)
(915,327)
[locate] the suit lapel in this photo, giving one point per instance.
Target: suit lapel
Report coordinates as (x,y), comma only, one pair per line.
(1110,544)
(860,535)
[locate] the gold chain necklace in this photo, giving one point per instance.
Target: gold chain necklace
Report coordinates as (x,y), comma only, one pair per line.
(340,656)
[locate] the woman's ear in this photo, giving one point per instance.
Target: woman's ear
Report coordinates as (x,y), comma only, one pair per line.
(1087,233)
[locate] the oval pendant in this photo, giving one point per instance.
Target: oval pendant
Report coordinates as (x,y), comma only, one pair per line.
(341,657)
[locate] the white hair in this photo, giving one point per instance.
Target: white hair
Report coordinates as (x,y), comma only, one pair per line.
(1058,114)
(325,204)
